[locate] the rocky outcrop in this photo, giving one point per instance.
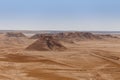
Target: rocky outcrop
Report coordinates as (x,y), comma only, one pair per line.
(11,34)
(69,35)
(46,43)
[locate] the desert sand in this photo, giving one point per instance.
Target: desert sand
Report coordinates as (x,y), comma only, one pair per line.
(84,59)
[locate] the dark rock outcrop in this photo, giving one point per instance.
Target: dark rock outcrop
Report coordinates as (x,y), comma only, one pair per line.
(11,34)
(69,35)
(46,43)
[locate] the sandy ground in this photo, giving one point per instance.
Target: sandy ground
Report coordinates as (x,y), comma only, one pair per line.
(84,60)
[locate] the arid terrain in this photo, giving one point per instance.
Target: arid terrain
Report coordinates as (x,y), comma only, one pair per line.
(65,56)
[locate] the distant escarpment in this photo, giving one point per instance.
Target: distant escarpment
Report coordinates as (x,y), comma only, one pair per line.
(14,34)
(69,36)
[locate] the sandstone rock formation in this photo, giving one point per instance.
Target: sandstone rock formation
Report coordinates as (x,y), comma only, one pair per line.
(46,43)
(11,34)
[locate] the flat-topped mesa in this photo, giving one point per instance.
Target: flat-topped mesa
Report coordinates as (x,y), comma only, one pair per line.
(46,43)
(14,34)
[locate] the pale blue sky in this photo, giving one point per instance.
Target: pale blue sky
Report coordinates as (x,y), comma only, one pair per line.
(60,14)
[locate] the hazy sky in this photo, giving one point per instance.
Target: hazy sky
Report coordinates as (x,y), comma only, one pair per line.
(60,14)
